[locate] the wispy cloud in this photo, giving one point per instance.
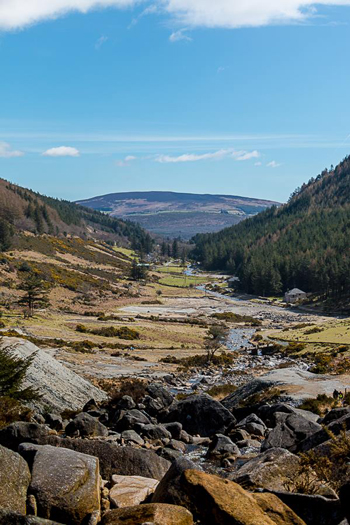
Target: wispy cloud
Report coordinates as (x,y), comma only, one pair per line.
(177,36)
(273,164)
(61,151)
(100,41)
(216,155)
(16,14)
(220,69)
(7,153)
(126,161)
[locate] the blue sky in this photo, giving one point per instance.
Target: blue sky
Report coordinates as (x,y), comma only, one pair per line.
(173,95)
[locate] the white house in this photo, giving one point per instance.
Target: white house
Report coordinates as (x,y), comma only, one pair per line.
(295,295)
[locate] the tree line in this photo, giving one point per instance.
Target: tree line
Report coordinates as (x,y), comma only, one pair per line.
(304,244)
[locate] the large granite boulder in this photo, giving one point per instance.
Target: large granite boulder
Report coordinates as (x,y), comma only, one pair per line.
(129,491)
(154,432)
(14,481)
(268,413)
(84,425)
(272,470)
(132,420)
(212,499)
(155,514)
(200,414)
(66,484)
(169,489)
(222,446)
(160,393)
(21,432)
(289,432)
(114,459)
(321,435)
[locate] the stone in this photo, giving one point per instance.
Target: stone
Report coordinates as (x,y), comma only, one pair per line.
(334,415)
(200,414)
(22,432)
(313,509)
(290,431)
(212,499)
(238,435)
(114,459)
(66,484)
(174,429)
(152,406)
(54,421)
(321,436)
(60,387)
(177,445)
(270,470)
(267,413)
(239,396)
(84,425)
(128,491)
(132,420)
(248,443)
(14,481)
(253,424)
(169,454)
(169,489)
(344,496)
(131,435)
(13,518)
(154,432)
(126,403)
(158,391)
(150,514)
(222,446)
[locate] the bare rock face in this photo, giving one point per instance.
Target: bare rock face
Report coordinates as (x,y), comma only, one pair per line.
(156,514)
(59,387)
(290,431)
(66,485)
(14,481)
(131,490)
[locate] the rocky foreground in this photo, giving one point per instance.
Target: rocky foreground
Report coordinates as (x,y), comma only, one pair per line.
(127,461)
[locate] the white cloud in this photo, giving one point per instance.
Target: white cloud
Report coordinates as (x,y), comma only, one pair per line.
(100,41)
(7,153)
(258,164)
(62,151)
(273,164)
(126,161)
(192,13)
(216,155)
(179,35)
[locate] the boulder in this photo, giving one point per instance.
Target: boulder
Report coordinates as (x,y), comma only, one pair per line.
(314,510)
(270,470)
(131,435)
(14,481)
(128,491)
(155,514)
(169,489)
(159,392)
(222,446)
(290,431)
(320,436)
(84,425)
(8,517)
(239,396)
(21,432)
(200,414)
(132,420)
(267,413)
(212,499)
(60,387)
(253,425)
(169,454)
(334,415)
(154,432)
(54,421)
(66,484)
(115,459)
(126,403)
(152,406)
(174,429)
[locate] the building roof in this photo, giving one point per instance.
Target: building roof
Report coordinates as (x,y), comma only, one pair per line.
(295,291)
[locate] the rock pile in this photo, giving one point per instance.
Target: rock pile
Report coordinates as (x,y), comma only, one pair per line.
(127,463)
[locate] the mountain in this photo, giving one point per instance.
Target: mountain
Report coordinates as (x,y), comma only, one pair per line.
(23,210)
(304,244)
(178,214)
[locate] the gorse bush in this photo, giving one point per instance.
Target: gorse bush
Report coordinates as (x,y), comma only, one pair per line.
(122,332)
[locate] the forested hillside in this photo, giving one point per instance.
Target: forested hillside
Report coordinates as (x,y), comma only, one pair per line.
(23,210)
(304,244)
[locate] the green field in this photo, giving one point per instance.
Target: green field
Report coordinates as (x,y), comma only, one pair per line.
(183,281)
(170,269)
(125,251)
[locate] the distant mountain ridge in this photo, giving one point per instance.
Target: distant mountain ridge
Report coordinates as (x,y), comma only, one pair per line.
(178,214)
